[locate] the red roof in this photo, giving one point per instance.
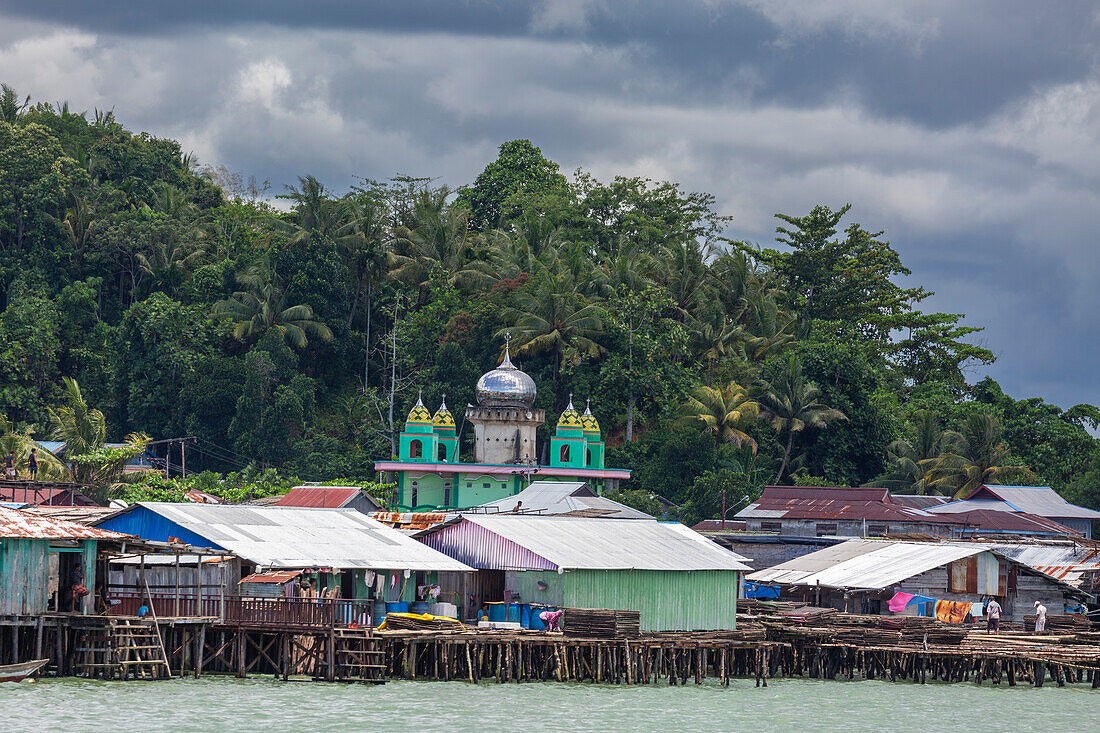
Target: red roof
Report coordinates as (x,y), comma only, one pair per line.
(44,497)
(990,520)
(275,576)
(22,525)
(835,503)
(319,497)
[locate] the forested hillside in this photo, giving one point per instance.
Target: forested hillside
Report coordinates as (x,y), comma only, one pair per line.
(293,328)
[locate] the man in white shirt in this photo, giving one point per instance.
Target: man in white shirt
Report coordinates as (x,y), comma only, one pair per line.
(1040,616)
(993,615)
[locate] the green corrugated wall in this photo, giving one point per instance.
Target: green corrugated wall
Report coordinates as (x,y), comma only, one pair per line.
(669,600)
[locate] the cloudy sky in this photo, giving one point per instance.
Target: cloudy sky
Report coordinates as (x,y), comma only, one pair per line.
(969,132)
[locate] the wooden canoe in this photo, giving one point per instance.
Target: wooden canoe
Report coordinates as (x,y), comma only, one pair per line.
(17,672)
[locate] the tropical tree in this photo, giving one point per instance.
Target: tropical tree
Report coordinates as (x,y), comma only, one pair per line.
(790,404)
(550,320)
(21,443)
(263,307)
(910,457)
(168,262)
(974,455)
(441,238)
(728,412)
(83,430)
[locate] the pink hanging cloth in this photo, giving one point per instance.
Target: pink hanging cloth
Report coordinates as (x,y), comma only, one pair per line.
(898,603)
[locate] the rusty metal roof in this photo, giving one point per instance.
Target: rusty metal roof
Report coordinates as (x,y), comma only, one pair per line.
(330,497)
(23,525)
(835,503)
(274,576)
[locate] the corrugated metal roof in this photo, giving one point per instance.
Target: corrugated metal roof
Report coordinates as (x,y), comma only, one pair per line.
(19,524)
(1041,500)
(832,504)
(571,543)
(272,576)
(292,537)
(79,514)
(562,497)
(918,501)
(983,520)
(322,496)
(1067,562)
(864,564)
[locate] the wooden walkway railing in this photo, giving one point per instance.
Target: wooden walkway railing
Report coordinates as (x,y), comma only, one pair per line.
(250,611)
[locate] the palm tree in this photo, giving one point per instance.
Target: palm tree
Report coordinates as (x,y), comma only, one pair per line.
(441,238)
(790,404)
(552,319)
(168,263)
(83,430)
(682,270)
(315,212)
(909,457)
(727,412)
(13,441)
(712,336)
(263,307)
(971,457)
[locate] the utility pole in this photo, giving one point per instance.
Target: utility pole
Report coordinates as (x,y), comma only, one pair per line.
(183,456)
(723,510)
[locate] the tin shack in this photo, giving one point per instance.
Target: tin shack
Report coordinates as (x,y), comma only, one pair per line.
(342,552)
(676,578)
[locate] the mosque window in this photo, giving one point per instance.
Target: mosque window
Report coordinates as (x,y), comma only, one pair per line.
(565,454)
(414,496)
(588,457)
(414,449)
(485,485)
(442,452)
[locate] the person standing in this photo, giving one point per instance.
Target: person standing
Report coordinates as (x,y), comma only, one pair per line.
(32,463)
(1040,616)
(993,616)
(9,465)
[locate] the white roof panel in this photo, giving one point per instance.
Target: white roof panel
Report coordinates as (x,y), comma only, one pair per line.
(611,544)
(864,564)
(294,537)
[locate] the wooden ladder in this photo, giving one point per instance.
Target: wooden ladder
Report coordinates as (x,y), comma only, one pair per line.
(357,657)
(139,651)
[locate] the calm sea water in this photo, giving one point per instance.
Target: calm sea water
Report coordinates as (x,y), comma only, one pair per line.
(228,705)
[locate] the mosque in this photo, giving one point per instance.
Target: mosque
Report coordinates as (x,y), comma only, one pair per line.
(431,476)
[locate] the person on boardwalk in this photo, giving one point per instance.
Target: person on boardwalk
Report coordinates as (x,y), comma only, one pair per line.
(1040,616)
(32,463)
(9,465)
(993,616)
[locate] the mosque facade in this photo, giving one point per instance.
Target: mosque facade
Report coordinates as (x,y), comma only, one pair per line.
(432,476)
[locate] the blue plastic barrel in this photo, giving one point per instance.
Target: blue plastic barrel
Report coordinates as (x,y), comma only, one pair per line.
(397,607)
(513,613)
(497,612)
(419,607)
(379,612)
(525,615)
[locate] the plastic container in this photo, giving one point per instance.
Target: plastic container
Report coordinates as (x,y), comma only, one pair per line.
(525,615)
(397,607)
(536,619)
(513,613)
(379,612)
(419,607)
(449,610)
(497,612)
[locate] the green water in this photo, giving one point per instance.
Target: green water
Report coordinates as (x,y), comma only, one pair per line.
(230,705)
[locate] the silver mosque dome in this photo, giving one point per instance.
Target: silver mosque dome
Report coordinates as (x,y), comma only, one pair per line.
(506,386)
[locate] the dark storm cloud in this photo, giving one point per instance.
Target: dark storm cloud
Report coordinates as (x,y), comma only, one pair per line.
(969,132)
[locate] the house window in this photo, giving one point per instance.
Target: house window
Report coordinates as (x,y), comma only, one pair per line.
(446,495)
(485,485)
(414,495)
(877,529)
(771,527)
(469,484)
(824,528)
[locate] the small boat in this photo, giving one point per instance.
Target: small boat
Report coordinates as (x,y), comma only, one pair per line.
(17,672)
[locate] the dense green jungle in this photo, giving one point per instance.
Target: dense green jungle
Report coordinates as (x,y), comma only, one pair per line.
(287,330)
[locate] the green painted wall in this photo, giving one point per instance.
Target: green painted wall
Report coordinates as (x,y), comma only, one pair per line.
(24,576)
(668,600)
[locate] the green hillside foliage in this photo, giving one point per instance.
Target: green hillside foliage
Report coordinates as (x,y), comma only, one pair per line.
(292,330)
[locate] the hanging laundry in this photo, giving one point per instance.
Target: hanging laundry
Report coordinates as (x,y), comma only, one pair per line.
(952,612)
(977,610)
(898,603)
